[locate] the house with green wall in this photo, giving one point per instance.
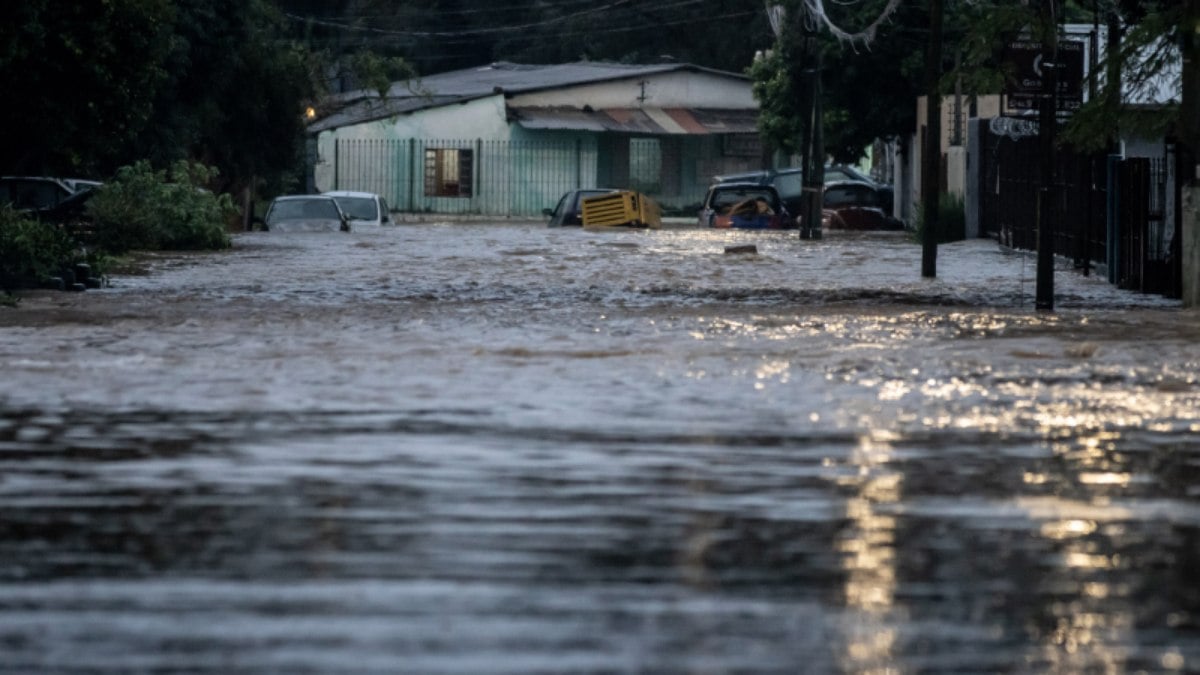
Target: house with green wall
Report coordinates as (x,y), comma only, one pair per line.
(509,139)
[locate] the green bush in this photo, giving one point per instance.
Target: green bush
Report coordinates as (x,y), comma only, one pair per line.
(31,251)
(144,209)
(952,219)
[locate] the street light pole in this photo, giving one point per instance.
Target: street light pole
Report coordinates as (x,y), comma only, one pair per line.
(812,148)
(1047,128)
(931,153)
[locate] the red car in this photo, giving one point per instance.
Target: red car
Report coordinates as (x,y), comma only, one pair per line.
(854,205)
(745,206)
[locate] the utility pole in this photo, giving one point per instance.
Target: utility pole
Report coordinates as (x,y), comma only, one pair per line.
(812,149)
(1189,132)
(1047,128)
(931,154)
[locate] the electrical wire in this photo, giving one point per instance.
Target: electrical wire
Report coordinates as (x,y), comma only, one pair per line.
(497,29)
(463,33)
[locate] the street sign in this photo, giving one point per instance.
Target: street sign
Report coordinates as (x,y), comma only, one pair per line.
(1026,65)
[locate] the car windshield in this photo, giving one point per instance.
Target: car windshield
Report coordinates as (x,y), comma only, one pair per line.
(359,208)
(25,193)
(303,209)
(724,198)
(836,173)
(849,195)
(789,184)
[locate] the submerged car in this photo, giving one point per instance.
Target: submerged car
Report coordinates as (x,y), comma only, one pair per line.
(789,183)
(362,208)
(569,210)
(746,206)
(854,205)
(305,213)
(884,194)
(32,193)
(71,213)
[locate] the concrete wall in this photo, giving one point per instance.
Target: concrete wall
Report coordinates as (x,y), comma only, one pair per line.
(1191,246)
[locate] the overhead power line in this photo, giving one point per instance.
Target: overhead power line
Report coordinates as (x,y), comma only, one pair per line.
(465,39)
(462,33)
(463,12)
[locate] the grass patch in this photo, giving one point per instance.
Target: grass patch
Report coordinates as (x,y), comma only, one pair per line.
(952,220)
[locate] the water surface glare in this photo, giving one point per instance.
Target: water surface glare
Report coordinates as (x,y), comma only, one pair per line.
(465,448)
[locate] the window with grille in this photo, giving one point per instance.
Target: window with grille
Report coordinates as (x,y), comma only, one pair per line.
(448,172)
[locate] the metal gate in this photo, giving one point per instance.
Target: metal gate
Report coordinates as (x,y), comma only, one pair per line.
(1147,253)
(1107,210)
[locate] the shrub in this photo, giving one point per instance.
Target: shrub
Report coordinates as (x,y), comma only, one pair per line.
(145,209)
(952,219)
(31,251)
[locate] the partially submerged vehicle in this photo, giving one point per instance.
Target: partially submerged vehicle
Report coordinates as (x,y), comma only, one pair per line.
(569,210)
(745,206)
(623,208)
(362,208)
(38,193)
(305,213)
(788,182)
(854,205)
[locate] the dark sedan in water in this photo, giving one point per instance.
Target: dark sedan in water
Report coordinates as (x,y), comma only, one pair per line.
(569,210)
(854,205)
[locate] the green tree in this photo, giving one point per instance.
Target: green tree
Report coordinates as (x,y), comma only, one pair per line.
(236,95)
(80,80)
(1146,34)
(145,209)
(91,86)
(870,83)
(871,89)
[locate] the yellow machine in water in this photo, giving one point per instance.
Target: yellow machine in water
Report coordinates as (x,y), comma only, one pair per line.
(621,209)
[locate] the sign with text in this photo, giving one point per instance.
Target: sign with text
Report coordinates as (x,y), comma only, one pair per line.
(1026,66)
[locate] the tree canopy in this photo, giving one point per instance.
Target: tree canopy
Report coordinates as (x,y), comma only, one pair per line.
(92,86)
(870,87)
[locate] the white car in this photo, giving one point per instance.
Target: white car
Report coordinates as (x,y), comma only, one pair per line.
(363,208)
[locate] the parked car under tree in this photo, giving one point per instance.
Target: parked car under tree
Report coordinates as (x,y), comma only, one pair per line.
(854,205)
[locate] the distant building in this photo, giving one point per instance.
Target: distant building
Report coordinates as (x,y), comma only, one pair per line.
(509,139)
(961,114)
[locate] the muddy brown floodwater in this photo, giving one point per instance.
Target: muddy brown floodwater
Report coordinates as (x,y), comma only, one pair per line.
(501,448)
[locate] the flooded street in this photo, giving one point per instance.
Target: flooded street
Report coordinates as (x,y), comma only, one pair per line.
(472,448)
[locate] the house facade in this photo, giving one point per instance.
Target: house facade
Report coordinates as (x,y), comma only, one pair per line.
(509,139)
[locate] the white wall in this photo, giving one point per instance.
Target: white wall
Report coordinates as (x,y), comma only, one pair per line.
(482,119)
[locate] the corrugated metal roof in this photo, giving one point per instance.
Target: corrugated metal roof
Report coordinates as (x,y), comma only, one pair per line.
(471,83)
(654,121)
(376,109)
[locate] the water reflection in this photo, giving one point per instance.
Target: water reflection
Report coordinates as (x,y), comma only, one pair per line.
(494,449)
(868,547)
(1091,623)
